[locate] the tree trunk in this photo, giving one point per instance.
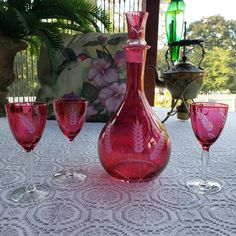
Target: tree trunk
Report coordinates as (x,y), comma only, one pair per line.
(8,49)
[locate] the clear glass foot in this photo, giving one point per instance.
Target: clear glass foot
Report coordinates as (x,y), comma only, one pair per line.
(203,187)
(36,192)
(69,176)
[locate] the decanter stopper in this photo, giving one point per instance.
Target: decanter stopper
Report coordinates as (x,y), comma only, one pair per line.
(136,21)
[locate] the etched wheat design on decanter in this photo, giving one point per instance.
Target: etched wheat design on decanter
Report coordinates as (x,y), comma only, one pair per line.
(107,139)
(137,137)
(158,147)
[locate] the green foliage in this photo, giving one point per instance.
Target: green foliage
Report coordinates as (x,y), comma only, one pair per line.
(89,92)
(219,37)
(216,31)
(115,41)
(219,64)
(44,20)
(220,45)
(162,98)
(161,62)
(27,87)
(165,1)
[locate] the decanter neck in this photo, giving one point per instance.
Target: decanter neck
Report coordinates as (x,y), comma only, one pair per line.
(135,62)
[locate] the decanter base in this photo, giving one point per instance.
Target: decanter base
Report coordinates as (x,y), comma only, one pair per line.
(134,171)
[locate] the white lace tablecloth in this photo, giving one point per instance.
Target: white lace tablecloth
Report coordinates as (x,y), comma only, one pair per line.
(101,206)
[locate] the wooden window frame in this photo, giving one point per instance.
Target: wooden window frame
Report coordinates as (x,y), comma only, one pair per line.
(153,8)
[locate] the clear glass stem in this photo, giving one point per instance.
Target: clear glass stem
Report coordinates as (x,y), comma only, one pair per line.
(29,163)
(71,170)
(205,158)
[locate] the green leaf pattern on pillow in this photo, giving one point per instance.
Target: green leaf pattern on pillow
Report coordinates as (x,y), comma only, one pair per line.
(91,65)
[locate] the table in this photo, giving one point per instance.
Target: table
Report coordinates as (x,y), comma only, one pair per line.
(103,206)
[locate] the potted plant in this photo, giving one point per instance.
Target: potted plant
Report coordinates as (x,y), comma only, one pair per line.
(34,22)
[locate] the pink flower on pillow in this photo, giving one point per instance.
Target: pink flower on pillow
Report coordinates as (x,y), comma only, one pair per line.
(111,96)
(101,72)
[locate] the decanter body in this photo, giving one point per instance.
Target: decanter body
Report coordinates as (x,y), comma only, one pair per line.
(134,145)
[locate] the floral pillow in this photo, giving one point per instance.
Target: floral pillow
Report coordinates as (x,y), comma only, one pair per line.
(91,66)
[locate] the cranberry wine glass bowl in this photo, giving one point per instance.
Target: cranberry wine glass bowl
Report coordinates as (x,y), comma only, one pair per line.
(208,120)
(70,114)
(27,122)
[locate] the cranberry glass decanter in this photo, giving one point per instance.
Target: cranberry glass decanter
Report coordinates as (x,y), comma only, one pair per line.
(134,145)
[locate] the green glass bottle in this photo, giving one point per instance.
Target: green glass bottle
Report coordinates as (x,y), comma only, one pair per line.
(174,22)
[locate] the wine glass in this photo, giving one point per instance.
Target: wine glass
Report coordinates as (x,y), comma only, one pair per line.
(208,120)
(27,122)
(70,114)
